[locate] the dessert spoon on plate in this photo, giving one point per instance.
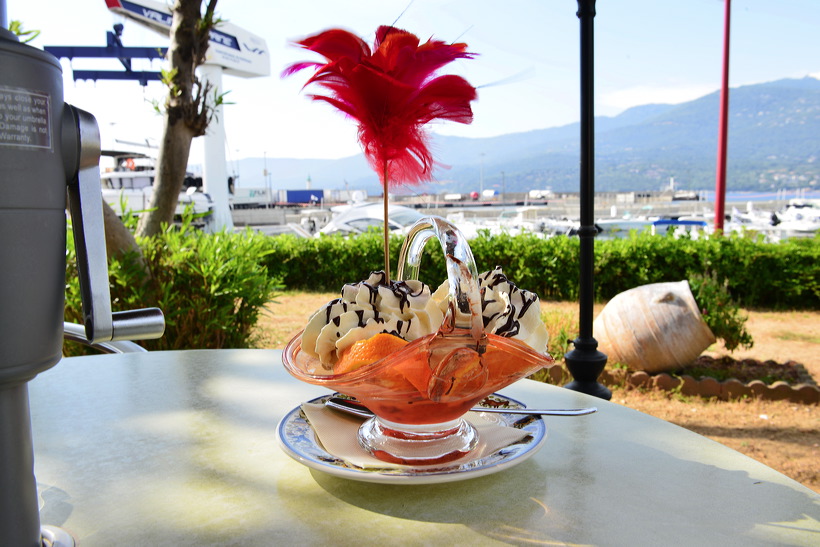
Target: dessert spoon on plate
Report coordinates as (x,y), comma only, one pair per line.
(354,407)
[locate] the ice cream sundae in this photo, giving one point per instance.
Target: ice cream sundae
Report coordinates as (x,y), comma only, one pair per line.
(420,359)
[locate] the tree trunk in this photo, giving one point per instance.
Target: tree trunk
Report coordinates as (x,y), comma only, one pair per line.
(186,110)
(172,163)
(118,239)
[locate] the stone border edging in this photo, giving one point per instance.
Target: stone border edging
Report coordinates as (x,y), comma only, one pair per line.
(732,388)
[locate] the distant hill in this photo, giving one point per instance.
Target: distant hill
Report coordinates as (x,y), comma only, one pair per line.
(774,142)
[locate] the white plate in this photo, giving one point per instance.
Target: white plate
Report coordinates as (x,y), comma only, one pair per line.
(298,440)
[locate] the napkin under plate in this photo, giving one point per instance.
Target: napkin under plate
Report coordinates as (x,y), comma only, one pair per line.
(337,433)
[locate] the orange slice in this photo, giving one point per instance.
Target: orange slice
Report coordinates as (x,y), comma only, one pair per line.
(458,376)
(365,352)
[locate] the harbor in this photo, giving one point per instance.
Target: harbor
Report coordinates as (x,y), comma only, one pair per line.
(776,215)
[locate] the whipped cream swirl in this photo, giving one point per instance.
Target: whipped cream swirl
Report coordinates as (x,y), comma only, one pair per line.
(409,310)
(402,308)
(511,312)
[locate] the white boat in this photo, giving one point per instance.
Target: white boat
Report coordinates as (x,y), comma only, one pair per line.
(511,221)
(800,218)
(611,228)
(130,186)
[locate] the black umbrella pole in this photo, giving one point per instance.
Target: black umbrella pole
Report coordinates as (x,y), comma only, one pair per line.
(585,362)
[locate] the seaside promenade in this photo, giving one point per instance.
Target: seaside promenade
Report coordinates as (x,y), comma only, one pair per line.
(563,206)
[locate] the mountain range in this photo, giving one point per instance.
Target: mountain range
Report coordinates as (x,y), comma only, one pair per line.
(773,143)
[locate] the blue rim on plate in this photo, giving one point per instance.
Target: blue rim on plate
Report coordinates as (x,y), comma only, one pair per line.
(299,441)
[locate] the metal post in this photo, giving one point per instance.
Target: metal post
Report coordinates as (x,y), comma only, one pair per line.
(585,362)
(57,152)
(214,173)
(32,270)
(481,177)
(723,128)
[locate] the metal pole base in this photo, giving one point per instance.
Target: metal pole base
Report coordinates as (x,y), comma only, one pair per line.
(19,509)
(56,537)
(586,363)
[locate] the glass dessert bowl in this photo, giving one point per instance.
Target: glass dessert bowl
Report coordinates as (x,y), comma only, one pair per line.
(421,392)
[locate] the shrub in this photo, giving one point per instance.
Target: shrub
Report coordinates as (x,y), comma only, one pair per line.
(782,275)
(211,287)
(759,274)
(719,311)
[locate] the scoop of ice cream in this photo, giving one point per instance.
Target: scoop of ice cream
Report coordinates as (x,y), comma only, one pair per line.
(511,312)
(367,308)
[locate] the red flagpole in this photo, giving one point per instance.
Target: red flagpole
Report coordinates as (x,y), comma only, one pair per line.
(723,129)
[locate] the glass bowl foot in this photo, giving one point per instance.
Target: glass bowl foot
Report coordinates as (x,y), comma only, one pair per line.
(417,444)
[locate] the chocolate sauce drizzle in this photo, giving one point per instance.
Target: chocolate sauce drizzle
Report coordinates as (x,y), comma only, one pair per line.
(378,280)
(511,326)
(403,292)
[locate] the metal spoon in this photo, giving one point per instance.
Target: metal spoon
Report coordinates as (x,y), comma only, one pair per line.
(356,408)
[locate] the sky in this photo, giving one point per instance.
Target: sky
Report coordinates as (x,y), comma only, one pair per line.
(526,70)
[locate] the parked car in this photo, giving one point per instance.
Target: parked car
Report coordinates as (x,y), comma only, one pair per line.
(358,218)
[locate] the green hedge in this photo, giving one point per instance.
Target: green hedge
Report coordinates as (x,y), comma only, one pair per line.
(212,287)
(782,275)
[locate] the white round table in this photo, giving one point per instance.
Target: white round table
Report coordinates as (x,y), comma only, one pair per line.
(179,448)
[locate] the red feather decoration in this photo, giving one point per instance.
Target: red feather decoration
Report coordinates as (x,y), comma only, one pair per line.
(392,92)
